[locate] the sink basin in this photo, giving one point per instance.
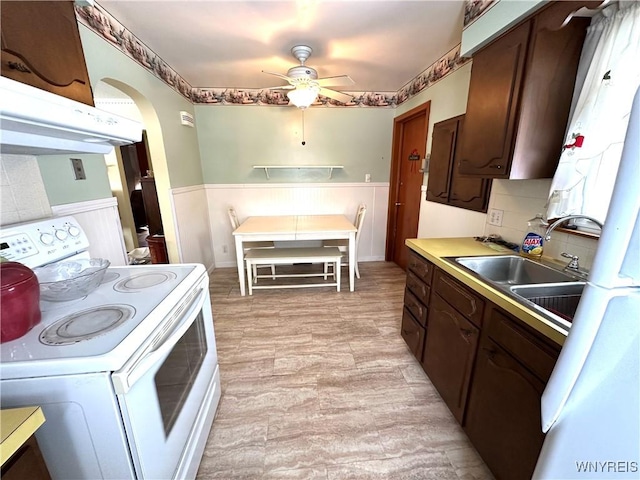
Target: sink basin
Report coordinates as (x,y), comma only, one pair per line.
(513,270)
(552,293)
(560,299)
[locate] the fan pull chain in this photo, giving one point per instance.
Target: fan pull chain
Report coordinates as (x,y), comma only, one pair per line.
(303,142)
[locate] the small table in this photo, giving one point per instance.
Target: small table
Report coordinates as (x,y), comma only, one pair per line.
(295,227)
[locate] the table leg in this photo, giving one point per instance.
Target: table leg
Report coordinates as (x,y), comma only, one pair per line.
(352,260)
(240,262)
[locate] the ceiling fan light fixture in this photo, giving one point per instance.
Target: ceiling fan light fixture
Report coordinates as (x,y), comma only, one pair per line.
(303,97)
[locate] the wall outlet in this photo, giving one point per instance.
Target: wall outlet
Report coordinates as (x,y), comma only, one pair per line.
(78,169)
(495,217)
(367,177)
(225,249)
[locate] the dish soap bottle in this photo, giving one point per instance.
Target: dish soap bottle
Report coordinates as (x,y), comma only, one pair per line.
(533,242)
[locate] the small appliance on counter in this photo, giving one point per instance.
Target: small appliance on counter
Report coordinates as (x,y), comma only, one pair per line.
(127,375)
(19,300)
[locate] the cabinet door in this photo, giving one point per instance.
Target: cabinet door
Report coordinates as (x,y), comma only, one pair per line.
(413,334)
(41,47)
(494,93)
(446,184)
(554,53)
(449,351)
(443,147)
(503,415)
(26,462)
(470,193)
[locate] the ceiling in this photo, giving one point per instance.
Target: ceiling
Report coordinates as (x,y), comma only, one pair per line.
(381,45)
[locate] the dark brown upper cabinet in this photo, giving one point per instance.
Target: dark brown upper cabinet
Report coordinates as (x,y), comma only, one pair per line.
(41,47)
(446,184)
(520,95)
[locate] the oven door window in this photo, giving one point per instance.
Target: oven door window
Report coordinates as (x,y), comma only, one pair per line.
(176,376)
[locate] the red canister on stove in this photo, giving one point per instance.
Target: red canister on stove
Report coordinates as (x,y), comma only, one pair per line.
(19,300)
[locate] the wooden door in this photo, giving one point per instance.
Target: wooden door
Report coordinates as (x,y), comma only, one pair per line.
(409,147)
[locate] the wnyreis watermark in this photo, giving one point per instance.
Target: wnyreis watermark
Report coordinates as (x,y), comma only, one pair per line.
(606,467)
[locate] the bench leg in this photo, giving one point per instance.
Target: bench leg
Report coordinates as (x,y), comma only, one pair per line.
(250,268)
(273,272)
(336,273)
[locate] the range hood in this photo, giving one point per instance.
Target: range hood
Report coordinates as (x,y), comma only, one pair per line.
(36,122)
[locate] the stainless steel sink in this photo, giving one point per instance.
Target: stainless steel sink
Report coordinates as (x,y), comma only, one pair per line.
(560,299)
(552,293)
(513,270)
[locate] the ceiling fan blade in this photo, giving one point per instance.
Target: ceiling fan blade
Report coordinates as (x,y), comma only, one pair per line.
(339,96)
(339,81)
(282,87)
(284,77)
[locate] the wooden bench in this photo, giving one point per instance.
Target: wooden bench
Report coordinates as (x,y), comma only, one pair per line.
(286,256)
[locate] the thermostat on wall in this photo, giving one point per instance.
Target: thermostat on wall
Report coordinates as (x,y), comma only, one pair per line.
(186,119)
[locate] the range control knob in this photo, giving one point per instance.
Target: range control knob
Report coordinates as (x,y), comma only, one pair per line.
(61,234)
(47,238)
(74,231)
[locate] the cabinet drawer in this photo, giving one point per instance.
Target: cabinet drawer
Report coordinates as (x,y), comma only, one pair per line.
(421,267)
(538,357)
(413,333)
(461,298)
(416,307)
(420,289)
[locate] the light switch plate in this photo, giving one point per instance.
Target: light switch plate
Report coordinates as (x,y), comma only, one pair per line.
(78,169)
(495,217)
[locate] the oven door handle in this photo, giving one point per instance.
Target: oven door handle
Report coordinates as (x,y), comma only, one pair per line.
(161,344)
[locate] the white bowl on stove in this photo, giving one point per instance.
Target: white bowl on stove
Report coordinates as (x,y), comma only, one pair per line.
(69,280)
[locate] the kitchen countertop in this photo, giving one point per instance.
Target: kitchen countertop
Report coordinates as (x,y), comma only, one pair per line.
(435,249)
(16,426)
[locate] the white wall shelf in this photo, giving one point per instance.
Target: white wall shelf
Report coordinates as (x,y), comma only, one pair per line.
(266,168)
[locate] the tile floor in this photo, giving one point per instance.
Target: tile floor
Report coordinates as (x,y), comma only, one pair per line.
(320,385)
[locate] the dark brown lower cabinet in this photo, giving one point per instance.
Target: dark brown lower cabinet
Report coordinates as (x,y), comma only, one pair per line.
(26,463)
(503,412)
(413,333)
(449,352)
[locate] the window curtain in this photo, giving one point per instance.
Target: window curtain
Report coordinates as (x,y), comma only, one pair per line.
(608,76)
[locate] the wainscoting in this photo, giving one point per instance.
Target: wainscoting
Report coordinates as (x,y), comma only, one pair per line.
(192,225)
(101,223)
(295,199)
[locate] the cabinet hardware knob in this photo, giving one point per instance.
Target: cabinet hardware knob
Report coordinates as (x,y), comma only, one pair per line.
(496,166)
(19,67)
(466,332)
(491,352)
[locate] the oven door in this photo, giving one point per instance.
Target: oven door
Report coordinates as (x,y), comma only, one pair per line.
(167,392)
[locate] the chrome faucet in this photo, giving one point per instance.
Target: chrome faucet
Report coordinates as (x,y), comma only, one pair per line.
(557,223)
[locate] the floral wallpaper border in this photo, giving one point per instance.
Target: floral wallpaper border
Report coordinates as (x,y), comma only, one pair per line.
(476,8)
(105,25)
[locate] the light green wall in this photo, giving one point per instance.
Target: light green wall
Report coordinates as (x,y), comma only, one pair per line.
(234,138)
(61,185)
(448,99)
(104,61)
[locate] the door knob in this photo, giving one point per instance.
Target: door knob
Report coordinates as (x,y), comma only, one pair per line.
(398,204)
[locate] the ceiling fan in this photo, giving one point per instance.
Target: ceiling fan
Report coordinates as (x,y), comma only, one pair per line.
(304,84)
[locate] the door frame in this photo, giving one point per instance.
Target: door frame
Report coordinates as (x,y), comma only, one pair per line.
(394,185)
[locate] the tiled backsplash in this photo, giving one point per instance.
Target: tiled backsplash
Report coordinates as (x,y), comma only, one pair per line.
(521,200)
(23,195)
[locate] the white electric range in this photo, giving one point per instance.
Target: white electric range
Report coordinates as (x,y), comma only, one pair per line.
(127,376)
